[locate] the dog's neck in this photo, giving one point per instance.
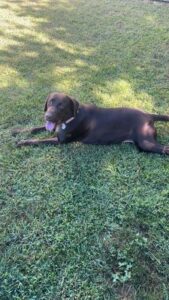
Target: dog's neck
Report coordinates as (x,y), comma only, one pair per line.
(72,118)
(69,120)
(64,124)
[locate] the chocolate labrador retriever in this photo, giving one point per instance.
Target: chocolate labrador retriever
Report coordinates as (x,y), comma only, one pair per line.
(89,124)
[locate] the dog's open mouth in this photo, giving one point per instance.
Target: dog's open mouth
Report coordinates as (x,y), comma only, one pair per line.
(50,126)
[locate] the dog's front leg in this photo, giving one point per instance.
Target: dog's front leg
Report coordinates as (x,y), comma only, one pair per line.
(37,142)
(30,130)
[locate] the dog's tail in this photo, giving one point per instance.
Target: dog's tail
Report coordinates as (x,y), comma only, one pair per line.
(164,118)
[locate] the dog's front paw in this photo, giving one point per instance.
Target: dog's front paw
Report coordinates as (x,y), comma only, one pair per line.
(22,143)
(18,144)
(15,131)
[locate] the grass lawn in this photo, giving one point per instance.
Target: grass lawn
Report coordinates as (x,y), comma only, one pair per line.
(83,222)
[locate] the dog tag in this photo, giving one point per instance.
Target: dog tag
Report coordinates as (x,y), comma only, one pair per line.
(63,126)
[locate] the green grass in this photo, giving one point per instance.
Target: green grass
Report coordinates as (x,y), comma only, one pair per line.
(83,222)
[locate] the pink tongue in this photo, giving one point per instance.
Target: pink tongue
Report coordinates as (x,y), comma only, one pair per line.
(49,126)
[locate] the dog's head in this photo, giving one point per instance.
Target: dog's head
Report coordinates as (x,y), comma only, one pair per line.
(58,109)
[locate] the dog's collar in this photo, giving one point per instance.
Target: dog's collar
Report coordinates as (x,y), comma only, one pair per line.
(63,125)
(69,120)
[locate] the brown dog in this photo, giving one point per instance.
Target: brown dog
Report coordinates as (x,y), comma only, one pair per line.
(90,124)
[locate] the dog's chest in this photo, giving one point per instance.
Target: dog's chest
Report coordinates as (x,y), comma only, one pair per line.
(62,132)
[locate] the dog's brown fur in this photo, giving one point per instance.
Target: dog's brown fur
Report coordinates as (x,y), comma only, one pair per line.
(90,124)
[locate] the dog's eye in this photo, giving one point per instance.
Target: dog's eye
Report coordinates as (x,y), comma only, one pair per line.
(59,105)
(51,102)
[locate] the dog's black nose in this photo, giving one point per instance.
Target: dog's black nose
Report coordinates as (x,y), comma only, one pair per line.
(49,116)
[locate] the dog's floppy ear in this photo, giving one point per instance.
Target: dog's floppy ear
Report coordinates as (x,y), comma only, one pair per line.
(45,108)
(75,105)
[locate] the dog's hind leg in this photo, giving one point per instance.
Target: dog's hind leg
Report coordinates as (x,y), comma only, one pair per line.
(152,146)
